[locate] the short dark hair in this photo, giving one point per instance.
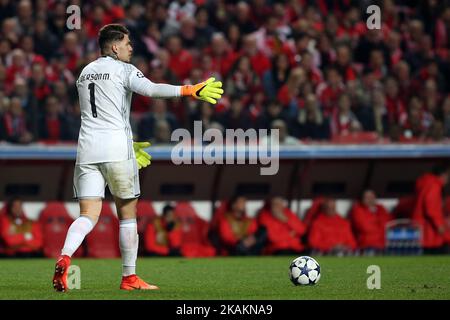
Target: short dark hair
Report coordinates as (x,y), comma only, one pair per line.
(111,33)
(10,203)
(441,168)
(167,208)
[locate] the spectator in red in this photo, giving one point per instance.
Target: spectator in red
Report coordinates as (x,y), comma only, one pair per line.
(17,68)
(328,92)
(27,45)
(259,61)
(351,26)
(181,60)
(313,73)
(284,228)
(393,43)
(257,102)
(344,120)
(21,236)
(38,83)
(96,19)
(395,105)
(414,127)
(428,208)
(242,78)
(369,221)
(195,242)
(223,56)
(163,236)
(330,233)
(72,51)
(53,124)
(57,70)
(14,126)
(377,64)
(344,63)
(402,73)
(289,93)
(238,233)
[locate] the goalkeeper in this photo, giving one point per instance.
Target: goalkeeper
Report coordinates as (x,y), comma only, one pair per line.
(106,153)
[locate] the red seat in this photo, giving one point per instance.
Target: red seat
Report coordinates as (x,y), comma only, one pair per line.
(357,137)
(194,232)
(55,222)
(145,213)
(184,210)
(103,241)
(404,207)
(2,246)
(313,211)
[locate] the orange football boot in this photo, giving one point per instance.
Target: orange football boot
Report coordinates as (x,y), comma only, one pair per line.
(61,271)
(133,282)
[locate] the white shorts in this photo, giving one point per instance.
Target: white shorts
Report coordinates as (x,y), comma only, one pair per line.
(122,178)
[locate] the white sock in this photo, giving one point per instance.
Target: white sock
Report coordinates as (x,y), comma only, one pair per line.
(76,234)
(129,243)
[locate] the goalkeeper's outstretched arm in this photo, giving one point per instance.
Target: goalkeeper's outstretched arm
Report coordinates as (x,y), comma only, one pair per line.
(209,90)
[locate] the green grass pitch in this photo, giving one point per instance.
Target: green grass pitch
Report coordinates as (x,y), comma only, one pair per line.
(426,277)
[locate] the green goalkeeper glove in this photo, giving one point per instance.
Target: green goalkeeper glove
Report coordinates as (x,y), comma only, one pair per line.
(209,90)
(143,159)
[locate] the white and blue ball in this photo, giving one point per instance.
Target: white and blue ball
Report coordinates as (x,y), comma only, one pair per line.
(304,270)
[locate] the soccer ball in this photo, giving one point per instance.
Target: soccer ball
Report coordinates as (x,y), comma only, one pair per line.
(304,270)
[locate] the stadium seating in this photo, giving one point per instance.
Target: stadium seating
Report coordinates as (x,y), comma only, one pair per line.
(195,232)
(55,221)
(313,211)
(197,221)
(103,241)
(357,137)
(145,214)
(404,208)
(2,211)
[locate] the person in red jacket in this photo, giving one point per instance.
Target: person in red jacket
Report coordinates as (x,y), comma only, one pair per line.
(428,208)
(163,235)
(284,228)
(238,233)
(20,235)
(369,221)
(330,233)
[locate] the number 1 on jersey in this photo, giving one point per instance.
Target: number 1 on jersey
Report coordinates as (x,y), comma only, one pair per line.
(91,87)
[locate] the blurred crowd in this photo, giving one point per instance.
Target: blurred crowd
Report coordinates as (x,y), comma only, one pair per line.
(309,68)
(275,229)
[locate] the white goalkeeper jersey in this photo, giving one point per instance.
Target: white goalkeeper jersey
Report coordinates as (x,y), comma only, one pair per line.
(105,87)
